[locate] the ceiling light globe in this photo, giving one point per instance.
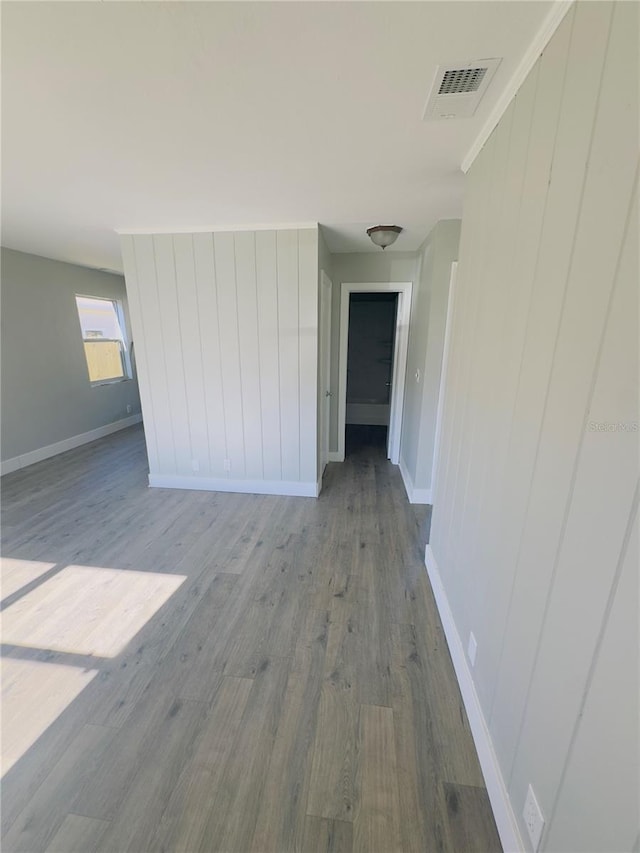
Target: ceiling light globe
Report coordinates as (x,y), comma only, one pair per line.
(384,235)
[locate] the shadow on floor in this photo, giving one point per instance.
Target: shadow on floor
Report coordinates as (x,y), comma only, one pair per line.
(365,439)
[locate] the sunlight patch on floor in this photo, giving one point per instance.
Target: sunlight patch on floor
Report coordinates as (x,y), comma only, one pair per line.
(33,695)
(81,610)
(86,610)
(14,574)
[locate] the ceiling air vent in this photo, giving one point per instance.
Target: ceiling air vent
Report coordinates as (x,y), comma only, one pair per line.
(458,89)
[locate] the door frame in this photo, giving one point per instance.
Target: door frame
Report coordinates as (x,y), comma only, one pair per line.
(443,379)
(324,372)
(400,351)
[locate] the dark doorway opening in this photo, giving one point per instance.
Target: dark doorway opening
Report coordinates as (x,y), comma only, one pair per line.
(371,344)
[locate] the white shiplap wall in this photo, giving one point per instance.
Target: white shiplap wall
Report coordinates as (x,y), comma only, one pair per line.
(533,530)
(225,334)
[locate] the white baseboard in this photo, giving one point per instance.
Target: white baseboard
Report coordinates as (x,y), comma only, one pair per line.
(250,487)
(421,496)
(336,456)
(496,788)
(415,496)
(41,453)
(406,479)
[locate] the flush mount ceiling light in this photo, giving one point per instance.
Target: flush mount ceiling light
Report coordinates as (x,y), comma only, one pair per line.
(384,235)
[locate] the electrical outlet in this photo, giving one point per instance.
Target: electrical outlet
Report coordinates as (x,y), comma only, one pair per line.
(472,648)
(195,465)
(129,408)
(227,464)
(533,818)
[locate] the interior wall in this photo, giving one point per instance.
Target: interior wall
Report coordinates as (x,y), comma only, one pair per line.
(227,324)
(325,258)
(46,394)
(535,517)
(357,268)
(426,344)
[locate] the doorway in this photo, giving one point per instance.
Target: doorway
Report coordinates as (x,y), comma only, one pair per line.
(374,325)
(370,349)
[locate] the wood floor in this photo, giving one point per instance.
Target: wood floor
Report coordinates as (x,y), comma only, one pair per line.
(193,671)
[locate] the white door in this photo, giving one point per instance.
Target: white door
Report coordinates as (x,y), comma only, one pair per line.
(325,365)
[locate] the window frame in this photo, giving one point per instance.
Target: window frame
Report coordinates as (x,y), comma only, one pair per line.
(125,345)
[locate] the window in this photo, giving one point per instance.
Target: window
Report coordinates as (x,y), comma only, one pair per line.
(105,347)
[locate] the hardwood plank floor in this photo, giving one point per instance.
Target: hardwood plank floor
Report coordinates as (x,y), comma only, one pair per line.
(231,673)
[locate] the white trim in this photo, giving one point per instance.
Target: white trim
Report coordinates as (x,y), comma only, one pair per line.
(496,788)
(531,56)
(336,456)
(250,487)
(11,465)
(213,229)
(403,289)
(41,453)
(421,496)
(324,367)
(442,390)
(406,479)
(415,496)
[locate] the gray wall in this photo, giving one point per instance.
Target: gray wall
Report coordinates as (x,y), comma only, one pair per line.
(325,258)
(46,394)
(359,267)
(227,356)
(535,516)
(426,342)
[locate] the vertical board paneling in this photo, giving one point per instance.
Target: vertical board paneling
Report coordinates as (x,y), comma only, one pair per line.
(139,349)
(225,261)
(209,335)
(245,254)
(189,318)
(226,328)
(155,349)
(605,481)
(486,379)
(496,528)
(268,338)
(585,798)
(584,71)
(308,351)
(288,333)
(475,351)
(474,229)
(172,350)
(603,219)
(532,504)
(472,221)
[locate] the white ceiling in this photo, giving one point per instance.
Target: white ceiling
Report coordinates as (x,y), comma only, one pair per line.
(176,116)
